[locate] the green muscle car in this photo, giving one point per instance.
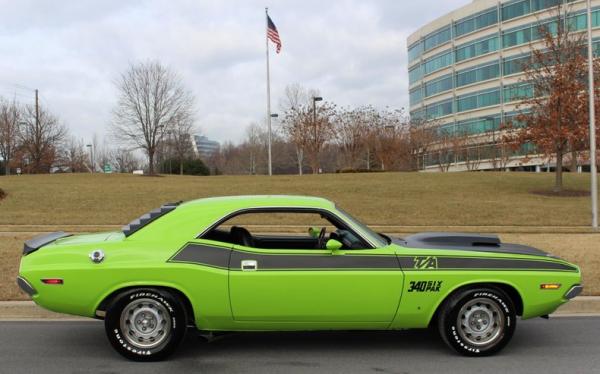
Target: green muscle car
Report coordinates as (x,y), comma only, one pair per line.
(260,263)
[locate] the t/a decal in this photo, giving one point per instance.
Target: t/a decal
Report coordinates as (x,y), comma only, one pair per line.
(425,262)
(425,286)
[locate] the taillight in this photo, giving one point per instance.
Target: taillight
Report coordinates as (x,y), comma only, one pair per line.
(56,281)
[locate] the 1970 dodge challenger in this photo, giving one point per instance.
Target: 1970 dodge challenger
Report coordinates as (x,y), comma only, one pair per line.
(251,263)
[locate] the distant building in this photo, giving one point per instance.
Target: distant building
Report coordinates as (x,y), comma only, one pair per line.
(465,70)
(205,147)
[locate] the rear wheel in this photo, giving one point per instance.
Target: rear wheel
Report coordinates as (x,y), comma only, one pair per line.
(478,321)
(145,324)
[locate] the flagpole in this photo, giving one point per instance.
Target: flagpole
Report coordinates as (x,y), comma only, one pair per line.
(268,89)
(593,170)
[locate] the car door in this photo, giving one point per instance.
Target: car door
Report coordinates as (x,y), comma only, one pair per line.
(308,285)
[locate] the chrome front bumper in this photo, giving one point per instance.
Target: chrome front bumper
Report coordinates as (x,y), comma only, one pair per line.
(574,291)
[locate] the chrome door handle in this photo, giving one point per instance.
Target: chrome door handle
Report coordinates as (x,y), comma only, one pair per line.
(249,265)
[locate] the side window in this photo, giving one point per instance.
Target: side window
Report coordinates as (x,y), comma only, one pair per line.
(272,229)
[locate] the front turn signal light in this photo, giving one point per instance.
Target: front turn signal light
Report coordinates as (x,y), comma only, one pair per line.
(550,286)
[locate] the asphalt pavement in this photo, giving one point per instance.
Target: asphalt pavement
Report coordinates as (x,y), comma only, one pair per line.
(560,345)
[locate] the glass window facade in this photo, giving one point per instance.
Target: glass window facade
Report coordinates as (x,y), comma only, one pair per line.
(527,34)
(578,22)
(516,37)
(543,4)
(417,114)
(438,62)
(476,22)
(518,91)
(415,51)
(415,74)
(415,96)
(447,129)
(514,65)
(439,37)
(478,125)
(439,109)
(511,119)
(439,85)
(477,100)
(515,9)
(477,74)
(477,48)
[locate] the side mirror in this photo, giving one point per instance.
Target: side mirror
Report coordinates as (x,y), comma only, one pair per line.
(333,245)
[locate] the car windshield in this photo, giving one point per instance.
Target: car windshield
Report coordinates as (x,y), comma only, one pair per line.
(379,240)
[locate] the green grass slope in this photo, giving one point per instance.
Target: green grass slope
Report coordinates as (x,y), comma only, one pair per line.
(474,199)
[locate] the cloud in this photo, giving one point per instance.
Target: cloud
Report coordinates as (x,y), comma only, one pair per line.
(353,52)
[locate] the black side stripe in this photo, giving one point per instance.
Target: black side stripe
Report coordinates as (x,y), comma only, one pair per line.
(316,261)
(202,254)
(226,258)
(459,263)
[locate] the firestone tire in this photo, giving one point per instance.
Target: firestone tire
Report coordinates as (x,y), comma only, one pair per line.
(145,324)
(477,321)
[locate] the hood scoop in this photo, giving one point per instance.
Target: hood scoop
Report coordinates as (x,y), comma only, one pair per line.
(434,239)
(468,242)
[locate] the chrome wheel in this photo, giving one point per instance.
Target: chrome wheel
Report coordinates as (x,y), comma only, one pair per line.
(480,321)
(145,323)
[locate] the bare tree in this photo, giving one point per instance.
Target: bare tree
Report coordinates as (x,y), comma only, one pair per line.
(254,145)
(41,139)
(422,137)
(309,128)
(445,149)
(388,137)
(124,160)
(151,99)
(74,156)
(352,132)
(292,125)
(10,115)
(180,139)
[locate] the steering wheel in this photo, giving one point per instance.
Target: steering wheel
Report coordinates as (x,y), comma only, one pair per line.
(321,239)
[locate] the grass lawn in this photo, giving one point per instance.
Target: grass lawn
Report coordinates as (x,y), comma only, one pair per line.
(406,199)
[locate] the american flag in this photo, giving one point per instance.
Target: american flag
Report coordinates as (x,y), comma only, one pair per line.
(273,35)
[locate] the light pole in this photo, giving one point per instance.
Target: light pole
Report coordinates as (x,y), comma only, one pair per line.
(314,101)
(269,141)
(593,170)
(91,147)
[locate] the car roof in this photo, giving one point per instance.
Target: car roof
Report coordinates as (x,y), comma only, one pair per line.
(251,201)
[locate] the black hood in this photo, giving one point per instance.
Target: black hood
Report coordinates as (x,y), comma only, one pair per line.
(467,242)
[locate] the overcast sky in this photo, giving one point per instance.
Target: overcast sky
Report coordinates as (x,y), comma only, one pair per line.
(352,51)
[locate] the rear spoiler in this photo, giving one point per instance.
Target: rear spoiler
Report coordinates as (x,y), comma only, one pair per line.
(36,243)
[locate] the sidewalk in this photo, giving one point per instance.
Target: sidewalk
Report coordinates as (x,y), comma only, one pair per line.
(27,310)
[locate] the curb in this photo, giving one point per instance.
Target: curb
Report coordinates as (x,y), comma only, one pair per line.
(581,306)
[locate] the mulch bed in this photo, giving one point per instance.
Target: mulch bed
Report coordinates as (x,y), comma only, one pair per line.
(563,193)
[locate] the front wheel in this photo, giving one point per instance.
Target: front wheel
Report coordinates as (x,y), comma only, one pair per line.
(478,321)
(145,324)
